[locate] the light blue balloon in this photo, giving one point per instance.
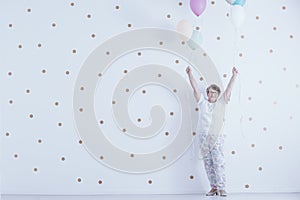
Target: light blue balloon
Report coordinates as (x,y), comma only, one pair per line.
(196,40)
(239,2)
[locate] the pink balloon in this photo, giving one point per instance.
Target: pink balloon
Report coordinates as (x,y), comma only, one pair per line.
(198,6)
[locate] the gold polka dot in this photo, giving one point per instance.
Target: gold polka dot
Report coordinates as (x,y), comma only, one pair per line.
(56,103)
(166,133)
(81,88)
(101,157)
(161,43)
(20,46)
(212,2)
(224,75)
(171,113)
(74,51)
(100,182)
(283,7)
(72,4)
(117,7)
(232,152)
(79,180)
(7,134)
(43,71)
(242,36)
(53,25)
(16,156)
(39,141)
(274,28)
(191,177)
(150,181)
(174,90)
(59,124)
(257,17)
(176,61)
(35,169)
(11,101)
(93,35)
(197,28)
(194,133)
(139,53)
(39,45)
(180,3)
(10,25)
(139,120)
(107,53)
(89,16)
(280,147)
(183,42)
(159,75)
(260,168)
(129,25)
(63,158)
(101,122)
(126,90)
(265,129)
(247,186)
(131,155)
(100,74)
(196,109)
(201,78)
(291,36)
(29,10)
(124,130)
(227,14)
(80,109)
(168,16)
(252,145)
(31,115)
(125,71)
(113,102)
(27,91)
(144,91)
(67,72)
(164,157)
(218,38)
(9,73)
(80,142)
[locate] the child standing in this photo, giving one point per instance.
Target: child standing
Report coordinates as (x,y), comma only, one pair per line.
(214,162)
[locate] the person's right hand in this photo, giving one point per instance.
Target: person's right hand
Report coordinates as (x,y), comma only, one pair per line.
(188,70)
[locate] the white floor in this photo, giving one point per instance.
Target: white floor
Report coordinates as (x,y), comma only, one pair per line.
(261,196)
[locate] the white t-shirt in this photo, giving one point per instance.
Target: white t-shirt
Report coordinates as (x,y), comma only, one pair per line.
(210,119)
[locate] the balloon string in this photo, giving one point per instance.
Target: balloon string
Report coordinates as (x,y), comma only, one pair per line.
(235,63)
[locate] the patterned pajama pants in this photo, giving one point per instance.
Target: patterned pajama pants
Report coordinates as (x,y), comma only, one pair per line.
(214,164)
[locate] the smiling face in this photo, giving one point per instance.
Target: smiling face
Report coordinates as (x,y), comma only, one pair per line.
(213,92)
(212,95)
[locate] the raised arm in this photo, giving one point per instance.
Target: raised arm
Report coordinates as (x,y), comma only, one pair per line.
(228,89)
(193,82)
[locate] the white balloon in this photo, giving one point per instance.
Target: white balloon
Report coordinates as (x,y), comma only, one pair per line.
(237,16)
(185,28)
(230,1)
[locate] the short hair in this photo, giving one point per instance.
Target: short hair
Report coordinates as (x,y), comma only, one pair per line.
(214,87)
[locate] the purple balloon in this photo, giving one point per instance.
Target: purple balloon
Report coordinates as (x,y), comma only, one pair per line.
(198,6)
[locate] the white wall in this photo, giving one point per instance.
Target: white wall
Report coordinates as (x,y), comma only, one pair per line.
(41,156)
